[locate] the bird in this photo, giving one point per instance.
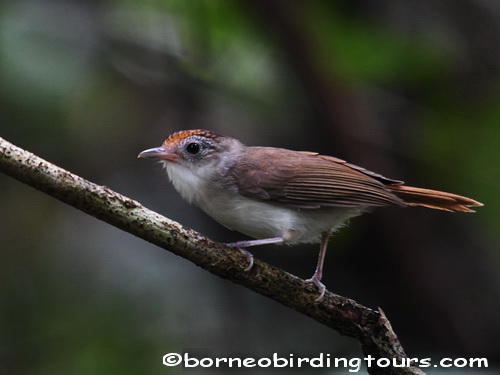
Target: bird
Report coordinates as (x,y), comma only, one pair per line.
(281,196)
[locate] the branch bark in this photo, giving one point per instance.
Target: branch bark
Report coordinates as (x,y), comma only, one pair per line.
(344,315)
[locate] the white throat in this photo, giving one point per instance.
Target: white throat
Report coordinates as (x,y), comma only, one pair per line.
(189,185)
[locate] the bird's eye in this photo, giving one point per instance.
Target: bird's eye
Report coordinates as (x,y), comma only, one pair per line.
(193,148)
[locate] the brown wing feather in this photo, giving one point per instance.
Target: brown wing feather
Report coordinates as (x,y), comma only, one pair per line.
(307,180)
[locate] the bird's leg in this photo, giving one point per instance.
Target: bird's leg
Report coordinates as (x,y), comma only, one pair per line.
(241,245)
(262,241)
(316,278)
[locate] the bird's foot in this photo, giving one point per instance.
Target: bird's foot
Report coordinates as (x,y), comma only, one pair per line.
(240,245)
(248,255)
(321,287)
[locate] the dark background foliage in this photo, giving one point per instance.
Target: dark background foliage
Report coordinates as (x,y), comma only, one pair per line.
(408,89)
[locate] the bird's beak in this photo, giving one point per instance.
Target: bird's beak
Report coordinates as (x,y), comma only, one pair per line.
(159,153)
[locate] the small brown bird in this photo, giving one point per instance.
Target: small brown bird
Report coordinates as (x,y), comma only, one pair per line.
(281,196)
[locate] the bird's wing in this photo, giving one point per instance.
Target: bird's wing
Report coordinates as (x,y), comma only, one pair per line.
(308,180)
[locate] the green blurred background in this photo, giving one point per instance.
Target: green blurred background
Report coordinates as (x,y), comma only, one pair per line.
(408,89)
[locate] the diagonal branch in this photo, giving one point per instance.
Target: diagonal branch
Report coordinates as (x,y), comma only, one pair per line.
(349,318)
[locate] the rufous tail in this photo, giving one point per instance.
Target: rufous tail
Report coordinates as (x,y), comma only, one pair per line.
(439,200)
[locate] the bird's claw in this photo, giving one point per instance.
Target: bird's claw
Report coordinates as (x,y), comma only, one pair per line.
(249,257)
(246,253)
(321,287)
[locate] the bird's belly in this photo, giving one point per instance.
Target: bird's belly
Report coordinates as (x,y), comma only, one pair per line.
(265,220)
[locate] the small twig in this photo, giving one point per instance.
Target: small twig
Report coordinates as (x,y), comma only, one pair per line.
(349,318)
